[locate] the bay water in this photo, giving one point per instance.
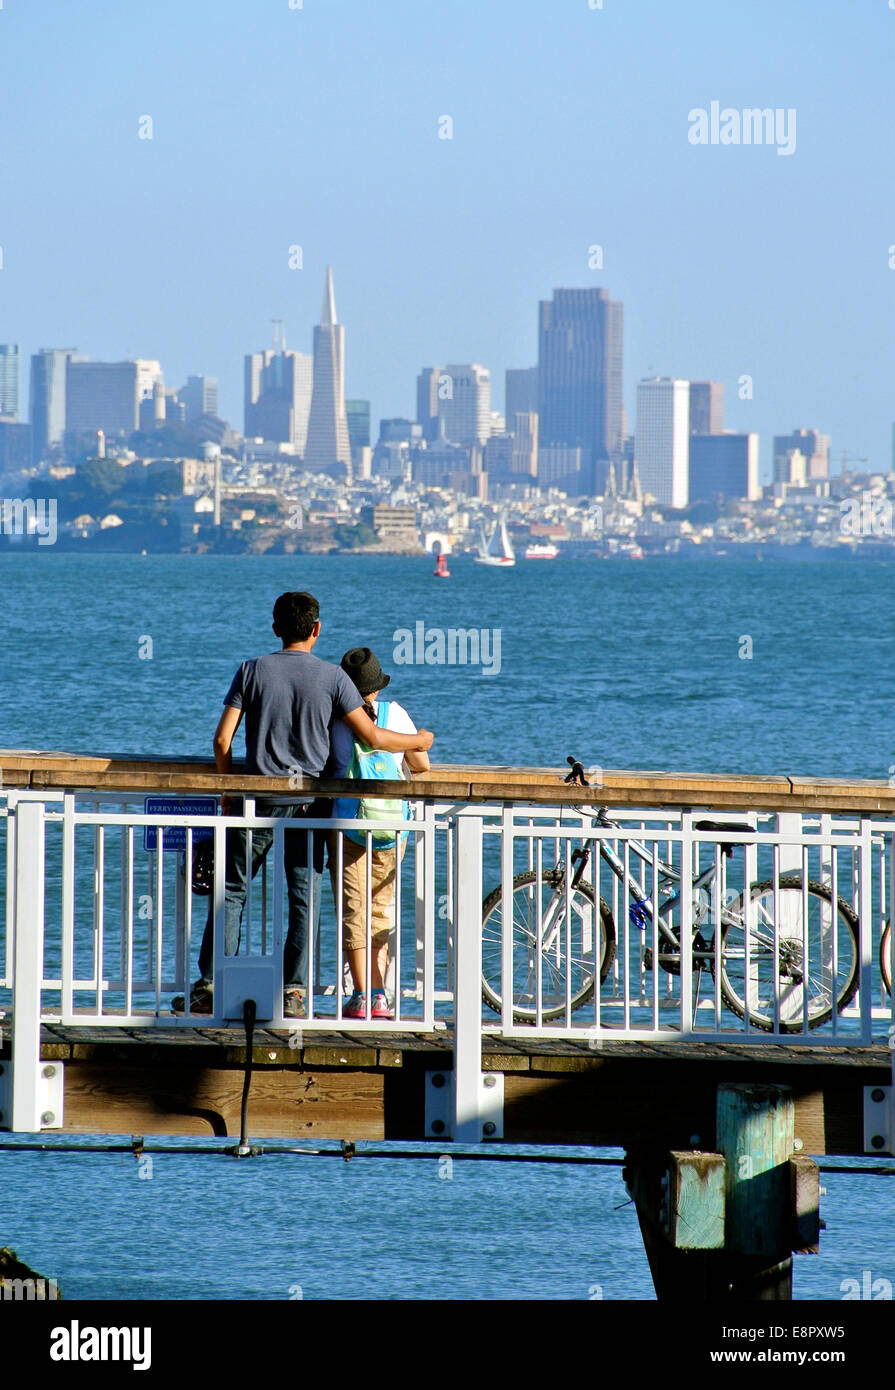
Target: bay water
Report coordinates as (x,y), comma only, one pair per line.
(706,665)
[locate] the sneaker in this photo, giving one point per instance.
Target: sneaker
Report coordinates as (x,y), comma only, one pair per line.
(294,1005)
(201,1000)
(356,1006)
(380,1008)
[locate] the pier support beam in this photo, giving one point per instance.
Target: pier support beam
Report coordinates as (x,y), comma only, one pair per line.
(724,1225)
(755,1130)
(680,1207)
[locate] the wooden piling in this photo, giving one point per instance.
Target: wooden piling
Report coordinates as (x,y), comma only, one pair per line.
(755,1129)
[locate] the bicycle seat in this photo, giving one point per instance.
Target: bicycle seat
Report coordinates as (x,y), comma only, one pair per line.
(736,827)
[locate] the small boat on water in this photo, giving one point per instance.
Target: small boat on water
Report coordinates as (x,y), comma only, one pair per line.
(497,550)
(538,551)
(441,570)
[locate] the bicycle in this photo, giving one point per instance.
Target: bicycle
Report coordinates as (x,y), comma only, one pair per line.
(778,978)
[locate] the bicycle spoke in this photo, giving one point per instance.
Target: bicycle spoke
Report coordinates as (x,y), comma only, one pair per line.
(794,980)
(566,948)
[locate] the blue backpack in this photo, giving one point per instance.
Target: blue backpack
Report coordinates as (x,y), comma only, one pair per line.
(373,764)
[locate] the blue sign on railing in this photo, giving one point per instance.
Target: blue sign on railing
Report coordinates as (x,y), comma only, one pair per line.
(174,836)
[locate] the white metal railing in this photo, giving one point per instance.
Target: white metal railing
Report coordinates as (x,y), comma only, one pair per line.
(777,941)
(116,930)
(702,958)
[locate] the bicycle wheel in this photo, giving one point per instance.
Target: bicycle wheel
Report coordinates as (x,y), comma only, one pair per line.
(567,951)
(885,956)
(814,960)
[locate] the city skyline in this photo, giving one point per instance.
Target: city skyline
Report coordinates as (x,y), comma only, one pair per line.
(171,216)
(269,399)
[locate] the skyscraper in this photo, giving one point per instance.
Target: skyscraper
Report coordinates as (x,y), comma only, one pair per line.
(524,428)
(662,439)
(103,396)
(427,401)
(723,465)
(706,407)
(278,395)
(9,380)
(199,397)
(358,415)
(814,446)
(48,383)
(580,350)
(464,403)
(454,402)
(328,442)
(521,392)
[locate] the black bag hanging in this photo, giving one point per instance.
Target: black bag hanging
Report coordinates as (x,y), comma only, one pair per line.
(203,868)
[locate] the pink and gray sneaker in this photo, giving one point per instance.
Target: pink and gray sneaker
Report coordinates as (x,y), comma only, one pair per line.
(379,1007)
(356,1006)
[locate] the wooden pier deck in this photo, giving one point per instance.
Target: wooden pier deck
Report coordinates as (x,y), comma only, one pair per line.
(372,1086)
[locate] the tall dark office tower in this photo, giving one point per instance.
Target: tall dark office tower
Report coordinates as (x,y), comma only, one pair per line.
(427,401)
(580,344)
(723,465)
(9,380)
(358,413)
(521,393)
(328,441)
(706,407)
(48,381)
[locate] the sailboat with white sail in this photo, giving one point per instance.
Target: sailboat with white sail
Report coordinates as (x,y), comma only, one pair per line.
(497,550)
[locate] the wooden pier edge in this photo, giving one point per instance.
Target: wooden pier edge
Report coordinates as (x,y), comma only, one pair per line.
(34,770)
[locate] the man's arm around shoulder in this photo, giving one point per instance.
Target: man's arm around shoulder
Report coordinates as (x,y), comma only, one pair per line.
(363,728)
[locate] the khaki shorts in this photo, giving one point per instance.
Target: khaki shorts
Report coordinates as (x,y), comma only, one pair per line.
(356,867)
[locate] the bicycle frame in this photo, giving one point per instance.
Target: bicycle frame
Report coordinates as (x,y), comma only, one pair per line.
(641,907)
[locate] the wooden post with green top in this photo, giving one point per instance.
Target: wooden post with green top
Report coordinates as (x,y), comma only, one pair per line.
(755,1130)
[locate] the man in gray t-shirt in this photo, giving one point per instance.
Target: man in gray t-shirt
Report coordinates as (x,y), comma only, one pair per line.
(290,701)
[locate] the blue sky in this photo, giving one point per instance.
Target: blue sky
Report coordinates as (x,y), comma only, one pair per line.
(318,126)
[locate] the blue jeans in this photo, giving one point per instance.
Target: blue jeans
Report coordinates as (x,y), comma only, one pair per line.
(303,883)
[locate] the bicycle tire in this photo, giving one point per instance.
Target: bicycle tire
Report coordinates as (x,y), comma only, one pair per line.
(552,975)
(791,998)
(885,956)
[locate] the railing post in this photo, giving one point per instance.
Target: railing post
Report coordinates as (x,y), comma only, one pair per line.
(467,1126)
(688,1018)
(790,856)
(24,1106)
(865,929)
(428,917)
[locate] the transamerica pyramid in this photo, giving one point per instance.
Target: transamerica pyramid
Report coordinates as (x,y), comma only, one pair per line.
(328,424)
